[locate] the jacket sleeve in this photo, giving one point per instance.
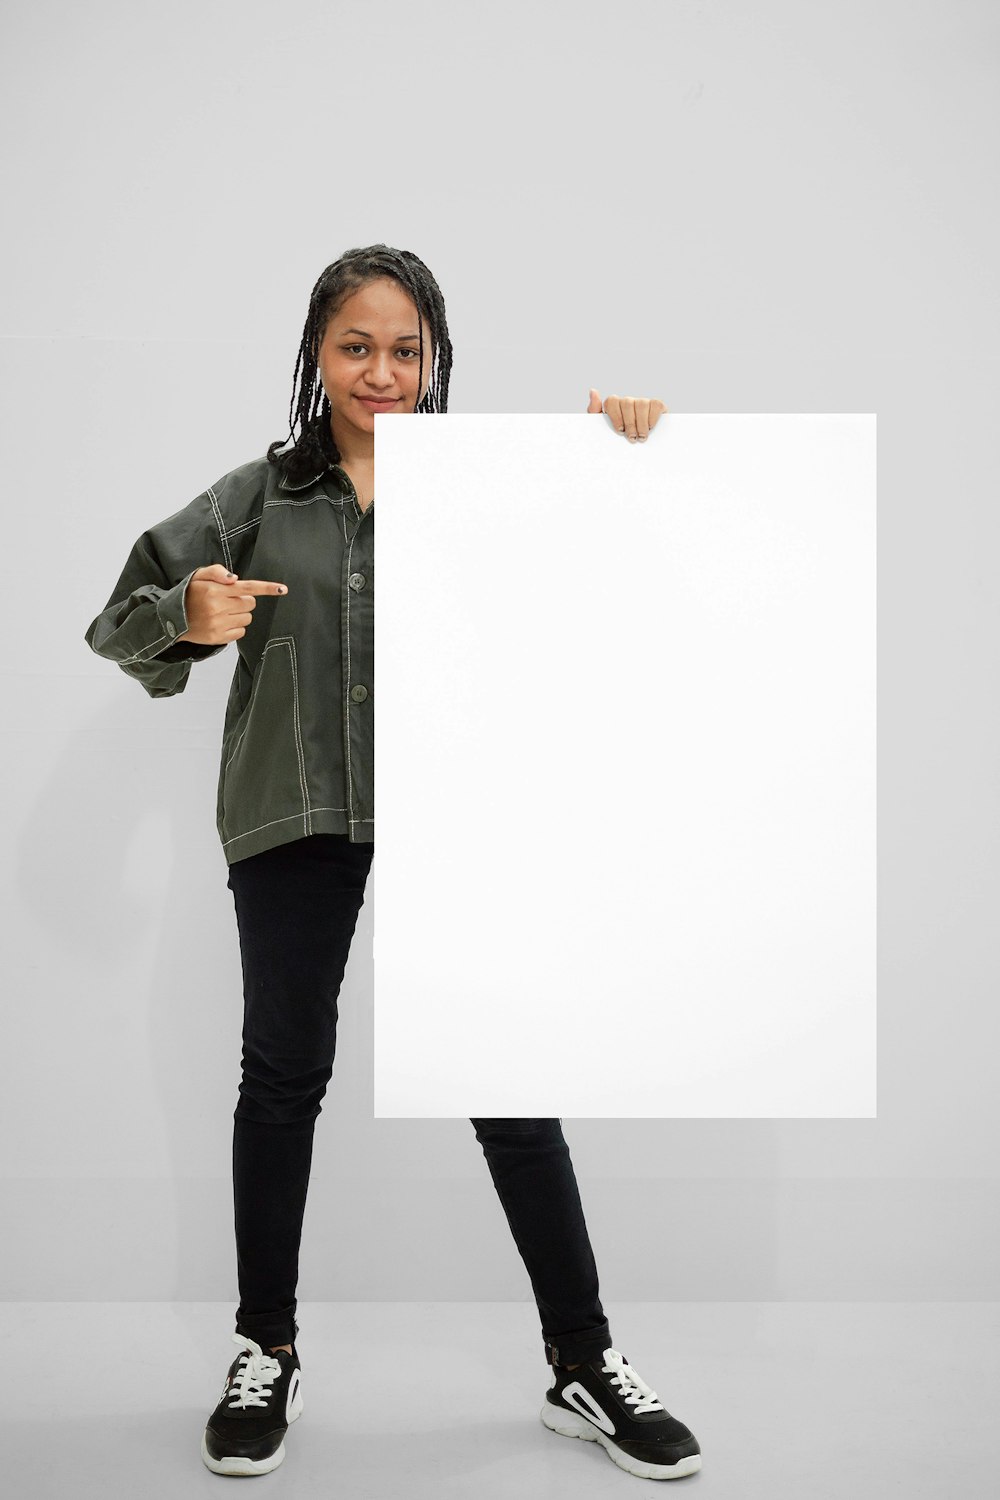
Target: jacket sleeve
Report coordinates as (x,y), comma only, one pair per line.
(137,626)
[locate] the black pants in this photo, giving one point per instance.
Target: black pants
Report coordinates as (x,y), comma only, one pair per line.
(297,907)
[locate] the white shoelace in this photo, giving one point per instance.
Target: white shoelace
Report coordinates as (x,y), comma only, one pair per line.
(635,1390)
(255,1377)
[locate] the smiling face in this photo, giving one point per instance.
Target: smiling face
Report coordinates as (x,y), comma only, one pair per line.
(371,348)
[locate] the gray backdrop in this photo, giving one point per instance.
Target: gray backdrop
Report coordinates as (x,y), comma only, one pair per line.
(768,208)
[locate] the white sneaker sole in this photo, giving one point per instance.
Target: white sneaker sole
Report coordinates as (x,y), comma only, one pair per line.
(247,1466)
(568,1424)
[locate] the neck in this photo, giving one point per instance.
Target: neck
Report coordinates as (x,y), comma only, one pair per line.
(353,458)
(353,450)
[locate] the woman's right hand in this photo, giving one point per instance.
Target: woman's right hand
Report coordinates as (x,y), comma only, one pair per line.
(219,607)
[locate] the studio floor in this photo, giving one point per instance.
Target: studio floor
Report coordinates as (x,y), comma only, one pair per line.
(422,1400)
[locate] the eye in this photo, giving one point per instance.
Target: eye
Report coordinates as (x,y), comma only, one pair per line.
(349,348)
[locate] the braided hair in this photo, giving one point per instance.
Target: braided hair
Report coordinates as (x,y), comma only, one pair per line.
(313,448)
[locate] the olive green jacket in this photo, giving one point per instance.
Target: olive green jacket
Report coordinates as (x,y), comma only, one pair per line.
(298,740)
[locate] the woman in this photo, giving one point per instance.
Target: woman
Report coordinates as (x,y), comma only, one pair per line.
(293,540)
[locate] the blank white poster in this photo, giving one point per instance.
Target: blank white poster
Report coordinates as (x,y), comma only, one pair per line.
(625,767)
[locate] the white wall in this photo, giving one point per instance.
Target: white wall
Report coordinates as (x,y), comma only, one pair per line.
(780,209)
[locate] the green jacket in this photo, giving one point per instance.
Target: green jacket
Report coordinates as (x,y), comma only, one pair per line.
(298,740)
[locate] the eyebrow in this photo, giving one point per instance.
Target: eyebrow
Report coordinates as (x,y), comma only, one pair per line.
(399,336)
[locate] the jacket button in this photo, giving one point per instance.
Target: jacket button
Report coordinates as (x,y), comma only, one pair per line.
(357,580)
(171,628)
(359,693)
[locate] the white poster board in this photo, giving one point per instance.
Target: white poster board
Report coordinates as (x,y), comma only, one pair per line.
(625,767)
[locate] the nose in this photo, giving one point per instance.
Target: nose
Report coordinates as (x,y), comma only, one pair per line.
(378,375)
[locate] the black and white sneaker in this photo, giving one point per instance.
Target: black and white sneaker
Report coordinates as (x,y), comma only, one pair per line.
(262,1395)
(604,1401)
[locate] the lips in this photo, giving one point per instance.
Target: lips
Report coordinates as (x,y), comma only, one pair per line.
(375,404)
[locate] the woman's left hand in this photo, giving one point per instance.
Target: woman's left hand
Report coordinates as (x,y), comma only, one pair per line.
(635,416)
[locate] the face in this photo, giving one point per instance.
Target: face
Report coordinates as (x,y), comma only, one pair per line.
(371,348)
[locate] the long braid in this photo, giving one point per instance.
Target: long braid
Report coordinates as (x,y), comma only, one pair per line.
(313,445)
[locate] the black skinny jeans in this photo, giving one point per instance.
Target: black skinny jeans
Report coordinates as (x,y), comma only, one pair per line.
(297,907)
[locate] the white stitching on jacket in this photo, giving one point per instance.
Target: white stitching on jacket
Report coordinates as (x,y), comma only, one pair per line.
(298,736)
(243,526)
(347,737)
(213,498)
(272,823)
(149,651)
(306,813)
(288,819)
(261,827)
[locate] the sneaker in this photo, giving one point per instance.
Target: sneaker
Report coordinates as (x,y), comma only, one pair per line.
(246,1431)
(604,1401)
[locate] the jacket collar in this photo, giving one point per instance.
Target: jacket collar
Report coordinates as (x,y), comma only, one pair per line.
(303,484)
(321,471)
(323,466)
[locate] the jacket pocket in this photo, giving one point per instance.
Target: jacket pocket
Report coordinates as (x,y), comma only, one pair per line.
(263,780)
